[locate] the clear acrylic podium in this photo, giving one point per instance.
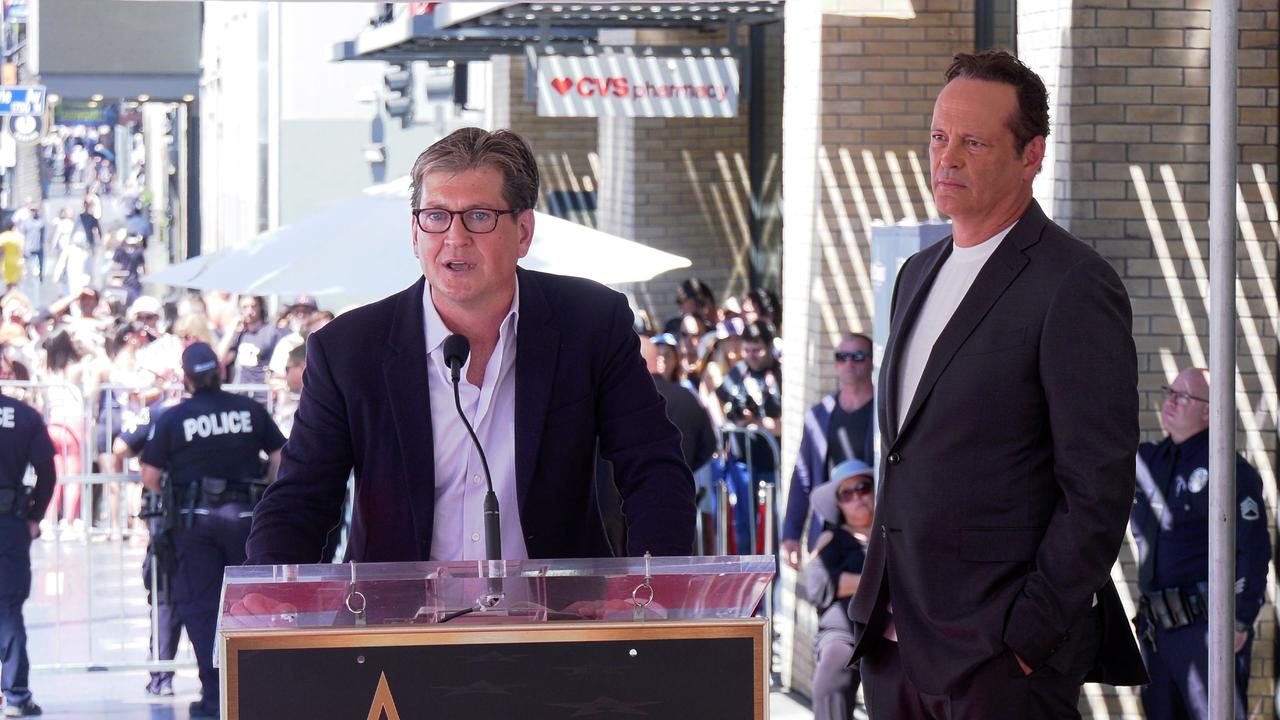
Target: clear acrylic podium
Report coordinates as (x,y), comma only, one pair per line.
(666,637)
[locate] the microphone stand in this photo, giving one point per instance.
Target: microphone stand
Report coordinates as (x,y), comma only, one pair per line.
(492,531)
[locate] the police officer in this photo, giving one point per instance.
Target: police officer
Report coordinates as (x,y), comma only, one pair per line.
(24,440)
(166,626)
(1170,522)
(210,446)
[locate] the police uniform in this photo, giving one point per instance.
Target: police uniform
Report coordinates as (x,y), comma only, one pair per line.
(167,628)
(24,440)
(1170,522)
(209,446)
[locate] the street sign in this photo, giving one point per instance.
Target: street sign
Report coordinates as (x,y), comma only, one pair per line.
(22,100)
(27,129)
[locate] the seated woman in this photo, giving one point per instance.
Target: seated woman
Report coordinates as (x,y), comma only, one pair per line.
(846,504)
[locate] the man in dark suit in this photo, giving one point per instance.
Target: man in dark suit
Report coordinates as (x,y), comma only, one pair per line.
(554,374)
(1008,412)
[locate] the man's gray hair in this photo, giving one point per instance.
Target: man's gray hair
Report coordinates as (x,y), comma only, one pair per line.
(472,148)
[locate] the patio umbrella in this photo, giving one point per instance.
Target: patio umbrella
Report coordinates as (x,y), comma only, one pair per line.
(361,249)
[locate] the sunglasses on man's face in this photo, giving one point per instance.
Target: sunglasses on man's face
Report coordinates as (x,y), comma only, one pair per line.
(862,487)
(855,356)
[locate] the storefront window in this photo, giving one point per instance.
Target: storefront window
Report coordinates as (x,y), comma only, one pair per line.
(997,25)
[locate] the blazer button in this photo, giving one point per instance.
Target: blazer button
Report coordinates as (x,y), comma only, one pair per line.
(884,533)
(894,458)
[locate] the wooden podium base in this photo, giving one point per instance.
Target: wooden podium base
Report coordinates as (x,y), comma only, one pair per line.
(705,669)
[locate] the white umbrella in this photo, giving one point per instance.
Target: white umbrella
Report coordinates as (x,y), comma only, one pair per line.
(179,274)
(361,249)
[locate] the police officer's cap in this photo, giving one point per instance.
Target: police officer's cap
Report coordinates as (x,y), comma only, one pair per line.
(198,359)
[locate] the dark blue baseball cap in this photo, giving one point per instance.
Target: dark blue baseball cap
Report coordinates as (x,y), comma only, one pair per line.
(199,358)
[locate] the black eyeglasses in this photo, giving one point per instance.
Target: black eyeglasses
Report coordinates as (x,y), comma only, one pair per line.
(862,487)
(855,356)
(1180,397)
(476,220)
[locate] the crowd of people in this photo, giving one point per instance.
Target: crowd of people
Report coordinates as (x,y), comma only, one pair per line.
(728,356)
(1000,598)
(98,367)
(99,375)
(70,240)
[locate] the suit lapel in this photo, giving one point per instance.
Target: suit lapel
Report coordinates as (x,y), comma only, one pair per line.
(405,372)
(996,275)
(890,382)
(537,351)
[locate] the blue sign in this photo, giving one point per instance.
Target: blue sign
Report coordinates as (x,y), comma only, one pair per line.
(22,100)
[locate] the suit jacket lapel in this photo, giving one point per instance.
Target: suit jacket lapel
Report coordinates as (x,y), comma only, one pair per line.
(890,381)
(994,278)
(405,371)
(537,351)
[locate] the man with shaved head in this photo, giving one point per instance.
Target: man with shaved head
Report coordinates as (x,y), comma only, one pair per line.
(1170,521)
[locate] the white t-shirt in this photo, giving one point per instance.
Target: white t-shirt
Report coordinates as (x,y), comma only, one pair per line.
(949,288)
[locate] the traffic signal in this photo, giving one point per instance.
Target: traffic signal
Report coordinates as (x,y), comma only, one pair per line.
(398,98)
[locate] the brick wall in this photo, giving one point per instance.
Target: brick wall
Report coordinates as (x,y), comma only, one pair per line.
(1127,170)
(855,122)
(565,147)
(1129,173)
(680,185)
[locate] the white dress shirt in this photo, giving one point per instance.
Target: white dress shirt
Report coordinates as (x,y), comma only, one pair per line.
(458,527)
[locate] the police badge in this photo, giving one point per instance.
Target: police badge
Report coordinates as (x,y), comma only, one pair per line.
(1199,478)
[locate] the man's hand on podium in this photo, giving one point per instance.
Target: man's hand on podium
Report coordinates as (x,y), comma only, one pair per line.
(617,608)
(256,610)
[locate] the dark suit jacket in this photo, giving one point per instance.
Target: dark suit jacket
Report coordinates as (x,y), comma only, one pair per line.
(685,410)
(579,379)
(1003,499)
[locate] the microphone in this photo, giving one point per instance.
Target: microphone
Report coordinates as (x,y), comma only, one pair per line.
(456,350)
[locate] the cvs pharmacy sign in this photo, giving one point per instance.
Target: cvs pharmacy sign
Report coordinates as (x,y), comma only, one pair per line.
(629,86)
(588,86)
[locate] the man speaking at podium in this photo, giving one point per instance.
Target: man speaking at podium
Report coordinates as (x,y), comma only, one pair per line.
(554,375)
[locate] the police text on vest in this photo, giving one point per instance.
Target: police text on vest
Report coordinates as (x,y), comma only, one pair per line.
(223,423)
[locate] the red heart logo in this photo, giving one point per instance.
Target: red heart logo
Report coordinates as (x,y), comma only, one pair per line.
(562,85)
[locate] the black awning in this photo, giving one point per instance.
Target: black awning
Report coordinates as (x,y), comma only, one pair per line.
(629,15)
(417,38)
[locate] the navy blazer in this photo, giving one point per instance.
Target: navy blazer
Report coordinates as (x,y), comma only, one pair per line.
(580,384)
(1004,495)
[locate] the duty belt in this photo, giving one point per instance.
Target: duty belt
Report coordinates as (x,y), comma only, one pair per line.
(15,500)
(1174,608)
(210,493)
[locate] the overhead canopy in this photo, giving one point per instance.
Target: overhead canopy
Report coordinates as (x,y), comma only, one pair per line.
(616,15)
(410,37)
(477,31)
(360,250)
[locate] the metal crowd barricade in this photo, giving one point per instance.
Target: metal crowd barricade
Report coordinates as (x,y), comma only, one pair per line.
(762,525)
(83,582)
(118,484)
(765,501)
